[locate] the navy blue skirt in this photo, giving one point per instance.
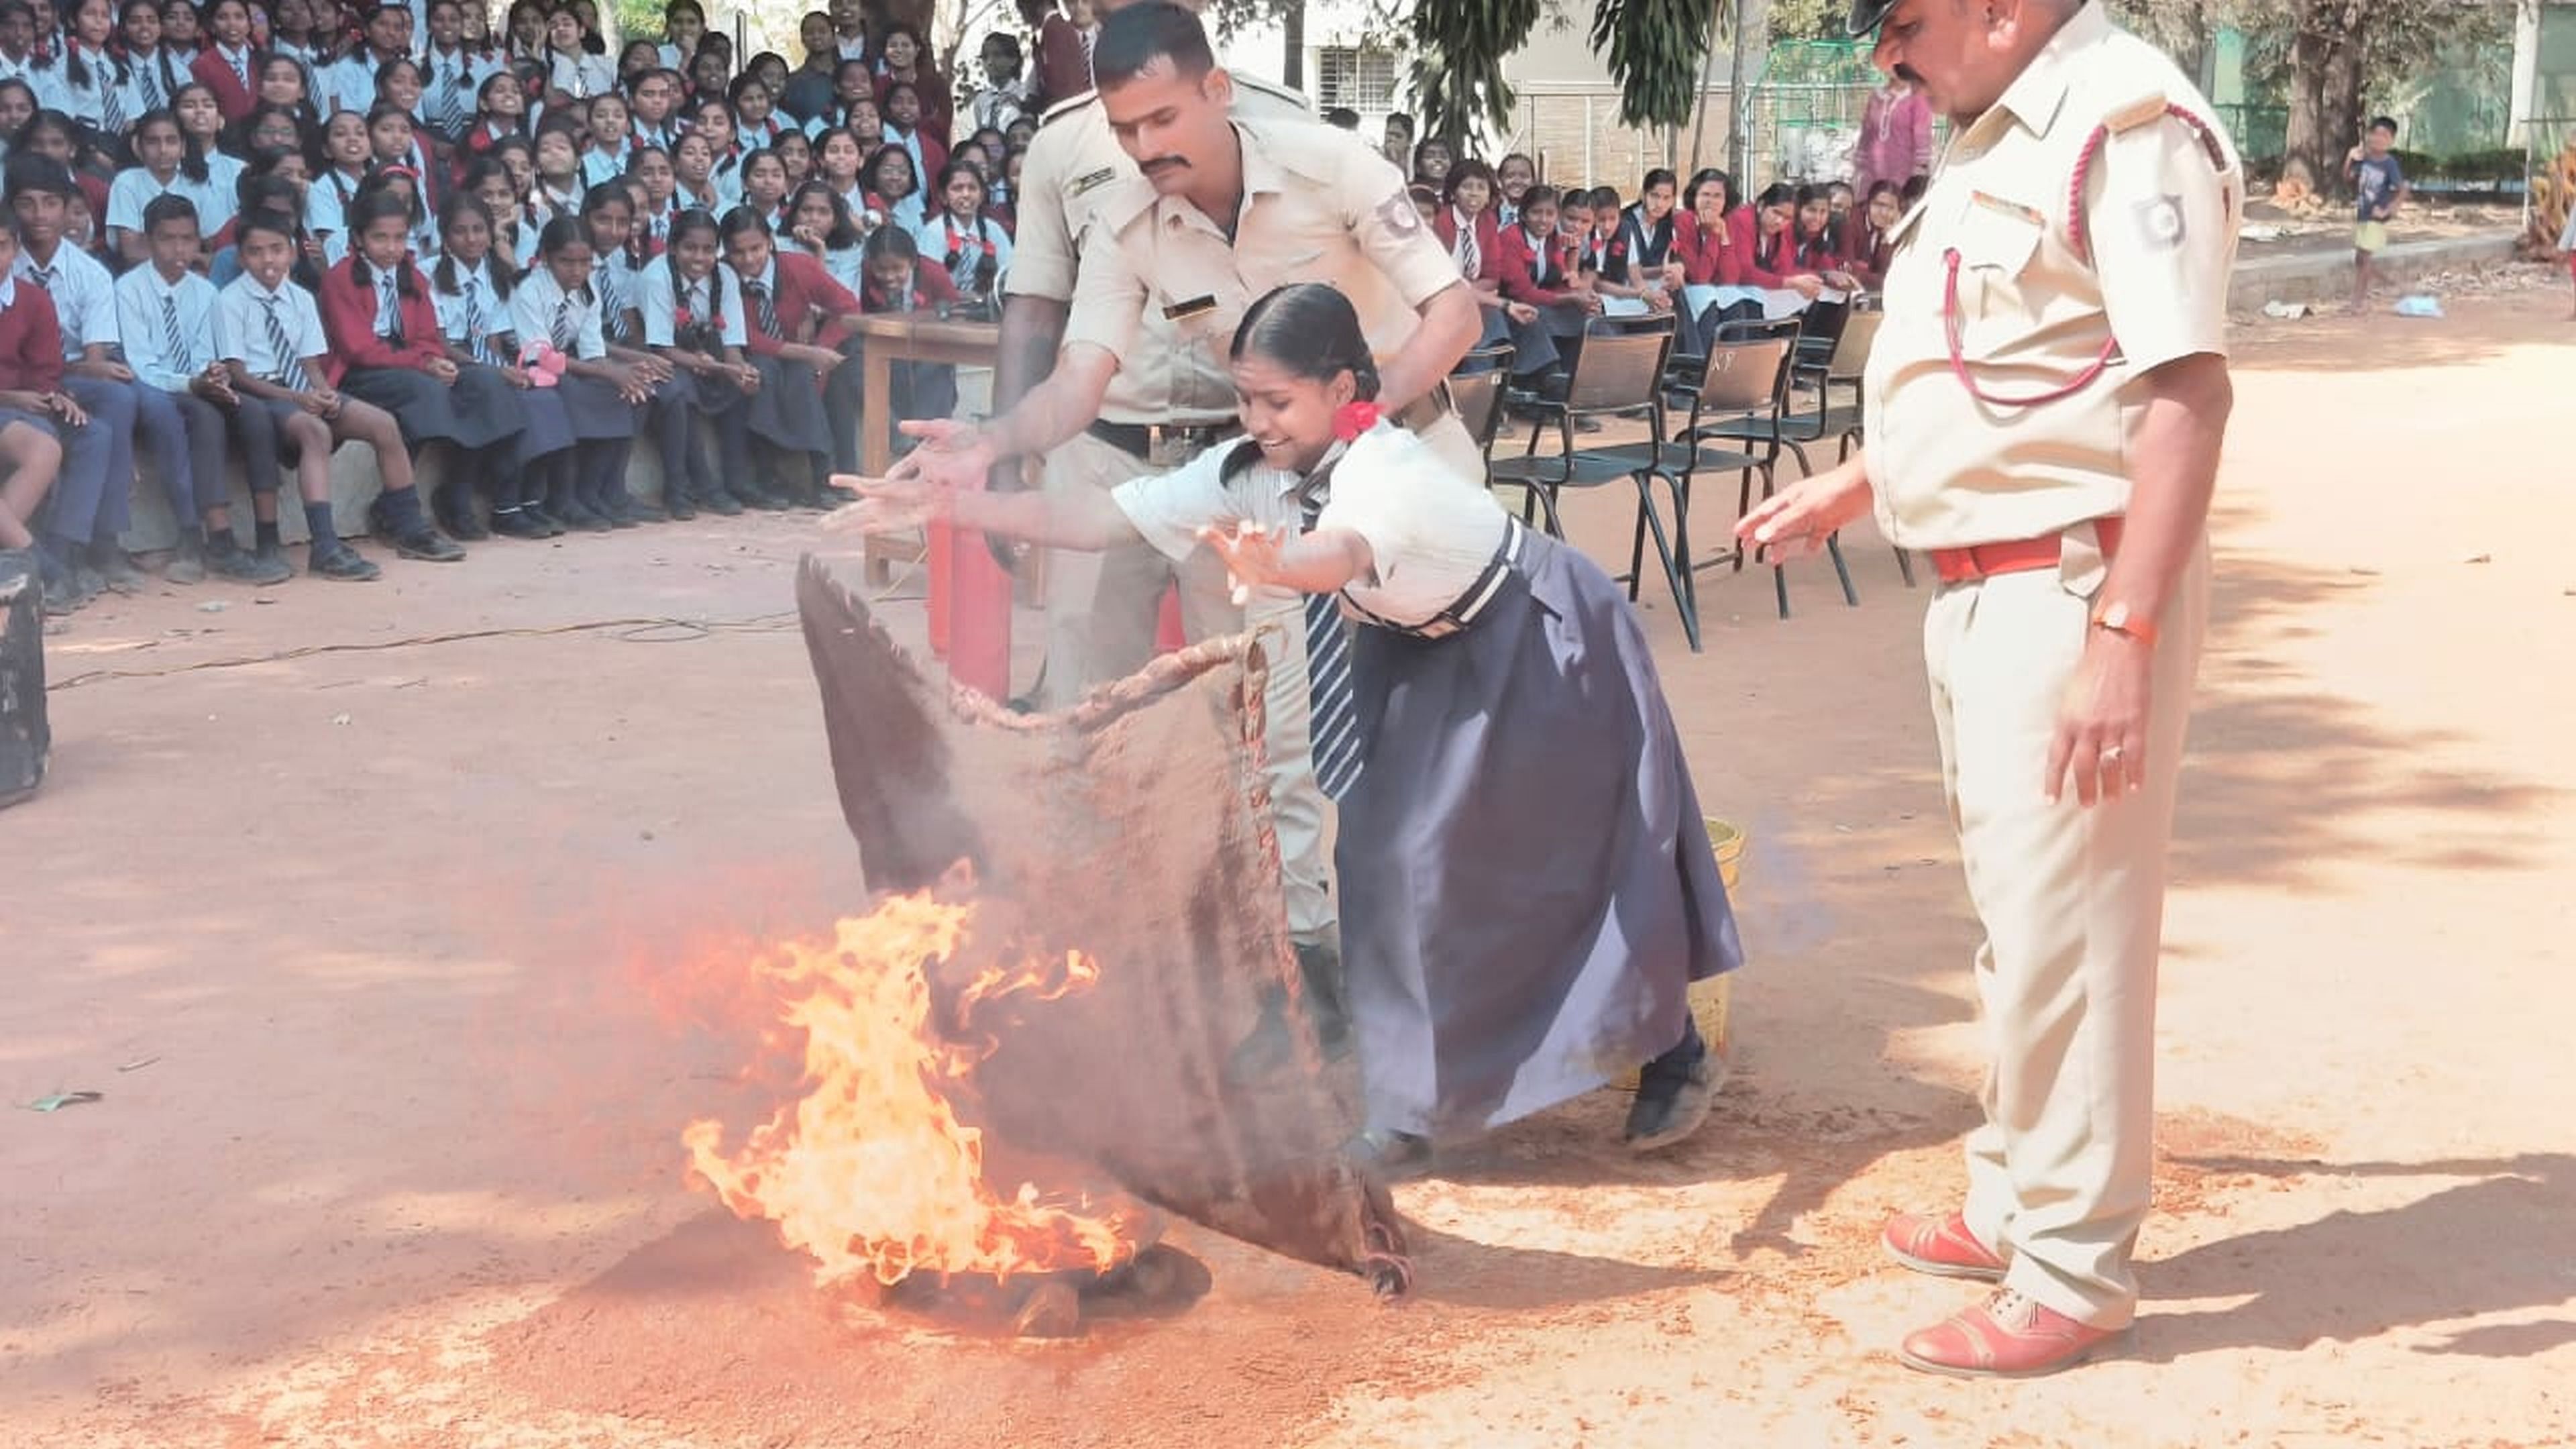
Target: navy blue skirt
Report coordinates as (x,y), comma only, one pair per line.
(787,412)
(549,429)
(479,409)
(595,410)
(1527,885)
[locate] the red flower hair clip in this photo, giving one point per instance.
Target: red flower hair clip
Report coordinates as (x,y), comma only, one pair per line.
(1354,418)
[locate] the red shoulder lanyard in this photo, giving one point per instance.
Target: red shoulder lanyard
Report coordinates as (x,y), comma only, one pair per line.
(2075,240)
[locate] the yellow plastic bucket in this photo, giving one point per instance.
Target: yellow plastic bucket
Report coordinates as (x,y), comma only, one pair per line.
(1708,999)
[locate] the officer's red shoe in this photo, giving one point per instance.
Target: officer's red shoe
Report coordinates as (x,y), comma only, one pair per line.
(1942,1247)
(2006,1337)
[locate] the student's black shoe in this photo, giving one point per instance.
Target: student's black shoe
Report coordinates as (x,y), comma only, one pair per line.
(187,563)
(519,523)
(336,560)
(676,504)
(61,595)
(269,566)
(455,509)
(762,497)
(720,502)
(576,517)
(116,571)
(428,545)
(636,510)
(553,527)
(1671,1104)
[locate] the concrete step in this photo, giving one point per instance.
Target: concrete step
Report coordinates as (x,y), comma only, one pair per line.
(2326,276)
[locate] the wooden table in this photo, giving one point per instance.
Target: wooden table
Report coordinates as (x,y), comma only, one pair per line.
(970,592)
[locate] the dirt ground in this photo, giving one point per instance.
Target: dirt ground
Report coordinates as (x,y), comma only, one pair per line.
(369,953)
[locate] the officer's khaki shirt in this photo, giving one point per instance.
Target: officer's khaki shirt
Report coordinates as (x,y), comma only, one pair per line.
(2160,217)
(1318,206)
(1073,164)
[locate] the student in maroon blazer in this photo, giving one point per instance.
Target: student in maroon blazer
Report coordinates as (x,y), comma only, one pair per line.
(1870,235)
(896,277)
(797,334)
(1764,239)
(228,65)
(1465,224)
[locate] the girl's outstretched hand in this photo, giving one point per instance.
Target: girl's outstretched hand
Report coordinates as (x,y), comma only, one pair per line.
(886,505)
(1251,554)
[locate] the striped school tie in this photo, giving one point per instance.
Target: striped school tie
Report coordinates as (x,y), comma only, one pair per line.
(152,99)
(763,308)
(1333,726)
(563,328)
(474,338)
(290,368)
(111,100)
(170,338)
(612,307)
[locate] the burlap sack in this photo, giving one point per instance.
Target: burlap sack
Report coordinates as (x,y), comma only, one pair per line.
(1135,827)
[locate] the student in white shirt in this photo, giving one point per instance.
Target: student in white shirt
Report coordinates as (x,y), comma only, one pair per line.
(611,152)
(1484,983)
(572,73)
(174,342)
(90,80)
(350,84)
(974,248)
(181,34)
(153,74)
(683,26)
(452,76)
(693,319)
(348,156)
(893,182)
(164,166)
(472,285)
(281,368)
(556,304)
(671,414)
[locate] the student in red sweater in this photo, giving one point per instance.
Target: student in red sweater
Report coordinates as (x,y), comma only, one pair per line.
(31,400)
(1540,269)
(1465,223)
(900,279)
(1870,239)
(797,337)
(389,349)
(228,66)
(1764,236)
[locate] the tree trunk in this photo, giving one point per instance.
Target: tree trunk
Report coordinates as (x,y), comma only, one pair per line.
(2325,94)
(1752,43)
(1292,44)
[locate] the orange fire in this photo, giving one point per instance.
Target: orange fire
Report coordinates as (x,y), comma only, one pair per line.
(871,1171)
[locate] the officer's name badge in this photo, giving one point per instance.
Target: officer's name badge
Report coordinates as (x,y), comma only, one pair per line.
(1094,180)
(2013,209)
(1183,311)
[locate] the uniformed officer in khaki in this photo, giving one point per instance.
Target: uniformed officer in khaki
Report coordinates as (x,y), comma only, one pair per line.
(2046,401)
(1162,408)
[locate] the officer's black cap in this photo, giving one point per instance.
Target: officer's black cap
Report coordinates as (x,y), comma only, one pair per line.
(1866,14)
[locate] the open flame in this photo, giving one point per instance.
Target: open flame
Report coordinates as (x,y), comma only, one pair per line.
(871,1171)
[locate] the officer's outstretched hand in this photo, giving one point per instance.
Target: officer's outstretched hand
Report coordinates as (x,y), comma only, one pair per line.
(1796,521)
(886,505)
(951,454)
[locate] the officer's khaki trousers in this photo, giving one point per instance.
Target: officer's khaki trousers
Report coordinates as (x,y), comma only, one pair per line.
(2072,902)
(1102,613)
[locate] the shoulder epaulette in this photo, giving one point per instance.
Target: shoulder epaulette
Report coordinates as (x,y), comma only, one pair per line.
(2136,112)
(1273,90)
(1067,107)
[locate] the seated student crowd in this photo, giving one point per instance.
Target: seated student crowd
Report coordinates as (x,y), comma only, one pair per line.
(1546,261)
(261,229)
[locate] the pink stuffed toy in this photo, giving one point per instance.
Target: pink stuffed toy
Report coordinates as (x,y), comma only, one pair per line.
(542,363)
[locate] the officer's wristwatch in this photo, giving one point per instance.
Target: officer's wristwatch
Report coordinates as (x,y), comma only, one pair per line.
(2117,618)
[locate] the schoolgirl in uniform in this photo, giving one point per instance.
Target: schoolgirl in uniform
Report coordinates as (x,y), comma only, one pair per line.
(556,305)
(900,279)
(820,225)
(764,185)
(156,74)
(471,285)
(660,199)
(1869,239)
(967,243)
(500,110)
(838,160)
(572,72)
(282,83)
(667,415)
(906,124)
(756,125)
(692,177)
(557,190)
(514,236)
(267,128)
(346,160)
(181,34)
(228,67)
(89,79)
(163,166)
(724,168)
(693,319)
(795,157)
(384,329)
(792,326)
(894,187)
(612,144)
(201,125)
(394,143)
(1486,982)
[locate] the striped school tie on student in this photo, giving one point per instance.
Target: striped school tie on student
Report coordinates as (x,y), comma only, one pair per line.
(178,350)
(111,100)
(763,308)
(152,100)
(474,338)
(563,328)
(1332,726)
(290,368)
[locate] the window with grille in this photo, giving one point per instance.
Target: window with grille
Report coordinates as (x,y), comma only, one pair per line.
(1363,80)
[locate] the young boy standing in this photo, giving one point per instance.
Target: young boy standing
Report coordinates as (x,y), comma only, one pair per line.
(166,313)
(2378,185)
